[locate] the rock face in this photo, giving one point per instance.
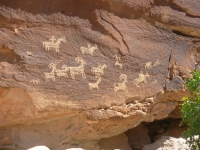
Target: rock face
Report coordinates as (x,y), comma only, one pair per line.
(138,137)
(173,130)
(116,142)
(78,71)
(167,143)
(165,127)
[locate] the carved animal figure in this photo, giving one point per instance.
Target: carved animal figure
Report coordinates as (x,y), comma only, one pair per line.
(63,72)
(122,85)
(141,78)
(95,84)
(53,44)
(50,75)
(89,49)
(35,81)
(117,61)
(78,70)
(148,65)
(99,70)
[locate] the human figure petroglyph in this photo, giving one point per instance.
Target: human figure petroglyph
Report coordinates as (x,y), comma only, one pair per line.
(63,72)
(89,49)
(78,70)
(149,65)
(50,75)
(99,70)
(117,63)
(53,43)
(36,81)
(141,78)
(122,85)
(53,39)
(95,84)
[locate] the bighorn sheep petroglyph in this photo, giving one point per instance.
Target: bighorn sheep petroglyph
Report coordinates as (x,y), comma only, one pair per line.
(78,70)
(50,75)
(122,85)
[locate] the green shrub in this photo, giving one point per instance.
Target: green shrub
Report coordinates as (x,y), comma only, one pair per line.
(190,109)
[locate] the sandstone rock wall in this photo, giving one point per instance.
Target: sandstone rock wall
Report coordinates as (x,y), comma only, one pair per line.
(74,72)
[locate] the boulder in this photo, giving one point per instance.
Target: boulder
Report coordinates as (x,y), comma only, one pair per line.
(167,143)
(39,148)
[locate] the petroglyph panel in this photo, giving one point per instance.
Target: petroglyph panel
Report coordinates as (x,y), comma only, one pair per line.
(117,63)
(121,86)
(53,43)
(89,49)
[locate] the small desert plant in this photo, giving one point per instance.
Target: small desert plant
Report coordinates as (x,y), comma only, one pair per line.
(190,109)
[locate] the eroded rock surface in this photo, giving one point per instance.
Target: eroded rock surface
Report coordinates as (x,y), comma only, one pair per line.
(78,71)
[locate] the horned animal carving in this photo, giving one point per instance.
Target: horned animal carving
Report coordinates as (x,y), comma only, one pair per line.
(78,70)
(89,49)
(95,84)
(99,70)
(117,61)
(50,75)
(122,85)
(63,72)
(141,78)
(52,43)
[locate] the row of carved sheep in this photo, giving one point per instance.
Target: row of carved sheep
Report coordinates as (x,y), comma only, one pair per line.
(73,70)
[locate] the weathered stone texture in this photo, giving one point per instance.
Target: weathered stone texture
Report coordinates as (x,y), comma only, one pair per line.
(78,71)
